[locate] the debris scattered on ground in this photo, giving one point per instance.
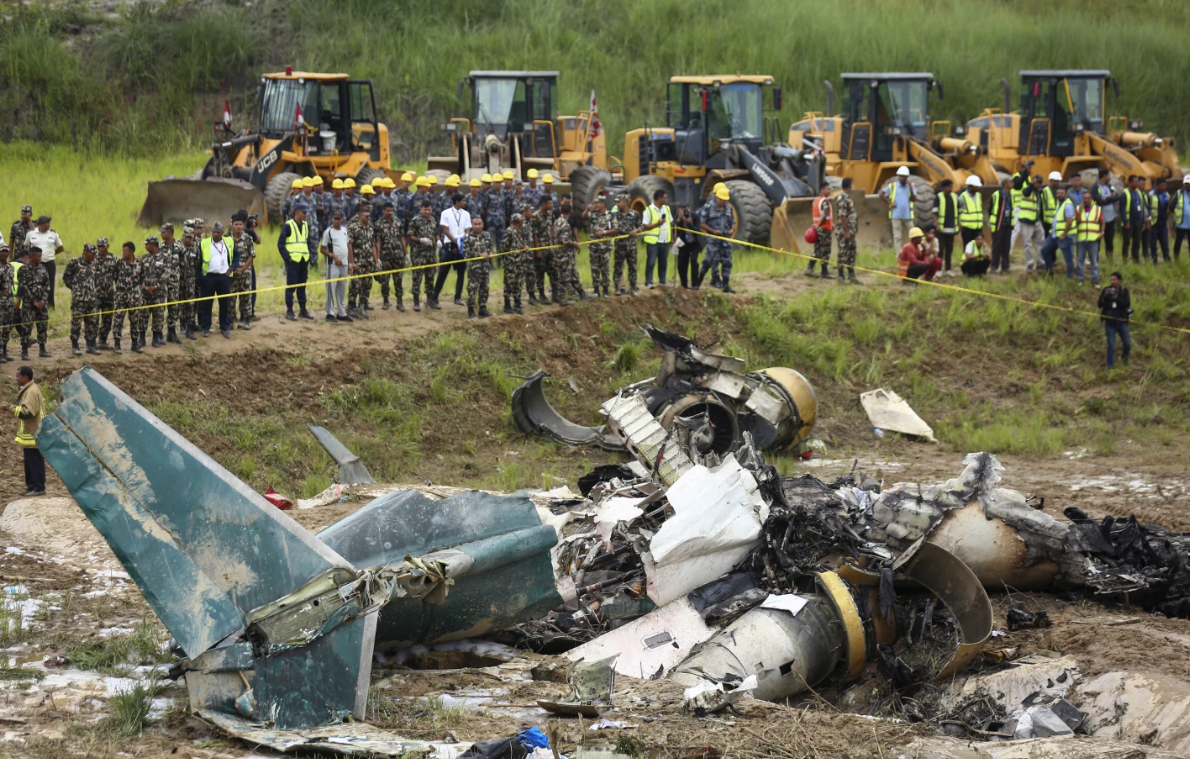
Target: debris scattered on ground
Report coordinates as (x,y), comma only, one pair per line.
(889,412)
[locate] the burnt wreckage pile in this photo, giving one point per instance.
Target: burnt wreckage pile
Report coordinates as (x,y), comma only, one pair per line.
(691,563)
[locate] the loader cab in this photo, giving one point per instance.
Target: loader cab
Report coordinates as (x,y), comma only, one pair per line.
(515,102)
(879,109)
(339,113)
(708,113)
(1058,106)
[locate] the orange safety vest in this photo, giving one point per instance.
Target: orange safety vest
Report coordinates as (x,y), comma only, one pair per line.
(823,217)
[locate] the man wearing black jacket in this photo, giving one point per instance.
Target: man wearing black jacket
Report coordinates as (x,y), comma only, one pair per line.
(688,272)
(1115,307)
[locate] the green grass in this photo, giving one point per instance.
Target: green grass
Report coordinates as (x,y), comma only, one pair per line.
(116,653)
(57,84)
(130,709)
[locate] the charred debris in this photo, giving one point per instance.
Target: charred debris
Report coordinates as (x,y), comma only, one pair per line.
(694,561)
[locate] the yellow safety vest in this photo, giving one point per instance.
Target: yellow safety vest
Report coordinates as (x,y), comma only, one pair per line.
(1026,210)
(1049,202)
(892,199)
(993,217)
(1175,203)
(1060,213)
(206,252)
(1090,226)
(652,215)
(944,200)
(296,244)
(16,273)
(1154,205)
(1014,192)
(971,211)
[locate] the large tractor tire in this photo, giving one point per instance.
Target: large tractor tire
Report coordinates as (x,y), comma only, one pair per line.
(754,214)
(366,175)
(276,192)
(641,189)
(923,209)
(586,182)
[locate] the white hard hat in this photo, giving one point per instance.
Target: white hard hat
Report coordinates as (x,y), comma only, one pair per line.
(1186,179)
(974,181)
(1055,176)
(903,171)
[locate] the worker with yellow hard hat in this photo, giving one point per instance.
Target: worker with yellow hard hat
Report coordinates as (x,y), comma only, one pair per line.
(349,192)
(914,261)
(547,191)
(474,202)
(337,201)
(443,192)
(718,219)
(401,200)
(533,190)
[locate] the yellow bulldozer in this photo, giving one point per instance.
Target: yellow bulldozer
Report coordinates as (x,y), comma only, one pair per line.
(885,124)
(311,124)
(716,130)
(513,124)
(1061,126)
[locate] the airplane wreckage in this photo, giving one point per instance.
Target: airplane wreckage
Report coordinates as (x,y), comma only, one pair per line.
(693,563)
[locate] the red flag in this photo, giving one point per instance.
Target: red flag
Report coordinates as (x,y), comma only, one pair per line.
(226,115)
(596,128)
(297,118)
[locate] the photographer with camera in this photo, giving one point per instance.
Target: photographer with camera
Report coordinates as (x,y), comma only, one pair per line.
(1115,307)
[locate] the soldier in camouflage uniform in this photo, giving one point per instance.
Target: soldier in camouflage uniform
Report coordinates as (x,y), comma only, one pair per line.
(474,201)
(362,253)
(846,225)
(565,266)
(718,218)
(600,224)
(823,224)
(7,277)
(129,295)
(403,202)
(420,237)
(241,281)
(392,256)
(337,202)
(20,228)
(105,291)
(626,222)
(518,266)
(496,220)
(33,294)
(154,284)
(478,244)
(79,278)
(532,192)
(188,275)
(172,252)
(541,229)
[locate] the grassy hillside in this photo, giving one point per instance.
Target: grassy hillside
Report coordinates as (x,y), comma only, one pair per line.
(172,63)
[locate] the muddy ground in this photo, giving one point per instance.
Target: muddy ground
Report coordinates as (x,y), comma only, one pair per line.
(80,597)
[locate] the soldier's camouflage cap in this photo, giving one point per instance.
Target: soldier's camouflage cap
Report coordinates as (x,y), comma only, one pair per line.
(90,247)
(102,242)
(26,209)
(517,217)
(526,207)
(3,247)
(165,226)
(622,196)
(152,240)
(198,223)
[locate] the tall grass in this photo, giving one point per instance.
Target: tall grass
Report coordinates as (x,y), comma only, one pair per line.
(416,51)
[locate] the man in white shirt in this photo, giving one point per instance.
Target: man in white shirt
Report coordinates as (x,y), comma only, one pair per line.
(334,248)
(217,257)
(50,243)
(455,222)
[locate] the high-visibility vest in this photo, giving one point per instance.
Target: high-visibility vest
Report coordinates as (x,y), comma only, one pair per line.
(1154,205)
(296,244)
(945,199)
(16,274)
(1176,203)
(1128,203)
(1059,218)
(1014,192)
(822,213)
(994,216)
(1049,202)
(652,216)
(206,252)
(1090,223)
(971,211)
(1026,210)
(892,199)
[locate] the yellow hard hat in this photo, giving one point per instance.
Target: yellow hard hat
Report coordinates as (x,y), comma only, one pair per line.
(548,179)
(337,184)
(299,183)
(406,177)
(486,178)
(315,180)
(451,181)
(477,183)
(717,187)
(309,182)
(366,190)
(723,193)
(916,232)
(509,175)
(348,183)
(531,174)
(389,183)
(423,182)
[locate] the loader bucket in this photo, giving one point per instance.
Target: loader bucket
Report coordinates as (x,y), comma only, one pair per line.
(790,220)
(795,216)
(176,200)
(874,231)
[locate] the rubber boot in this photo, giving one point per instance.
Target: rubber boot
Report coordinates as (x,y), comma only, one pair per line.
(484,312)
(516,308)
(400,303)
(172,336)
(74,346)
(507,305)
(92,349)
(470,312)
(117,348)
(417,301)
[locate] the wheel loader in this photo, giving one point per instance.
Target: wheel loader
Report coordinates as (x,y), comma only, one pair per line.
(886,125)
(514,124)
(338,135)
(1061,126)
(716,130)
